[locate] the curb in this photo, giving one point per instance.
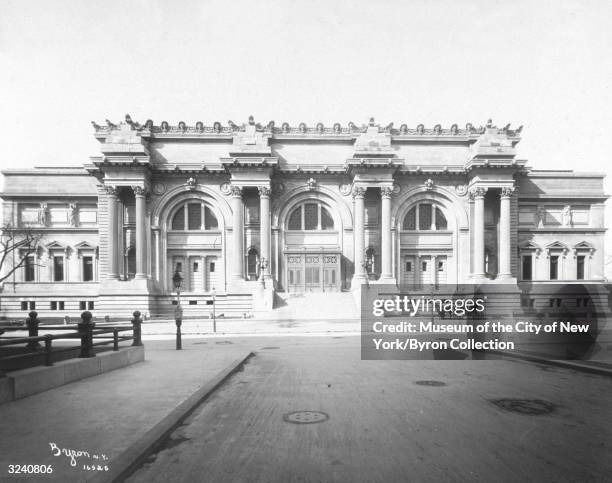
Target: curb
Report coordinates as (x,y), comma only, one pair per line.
(576,366)
(131,459)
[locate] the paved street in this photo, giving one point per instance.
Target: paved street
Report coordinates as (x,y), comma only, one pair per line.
(385,426)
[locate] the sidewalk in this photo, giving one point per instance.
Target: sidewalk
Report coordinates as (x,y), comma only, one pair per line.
(106,414)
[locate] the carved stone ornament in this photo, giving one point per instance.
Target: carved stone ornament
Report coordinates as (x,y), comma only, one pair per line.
(358,192)
(507,192)
(138,190)
(278,188)
(111,190)
(225,188)
(429,184)
(312,184)
(386,192)
(461,189)
(236,191)
(397,189)
(191,183)
(345,189)
(159,188)
(478,192)
(264,191)
(43,214)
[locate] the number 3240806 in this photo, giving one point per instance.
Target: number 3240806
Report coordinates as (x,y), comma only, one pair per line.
(30,469)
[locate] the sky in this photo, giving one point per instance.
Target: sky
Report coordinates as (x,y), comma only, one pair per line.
(538,63)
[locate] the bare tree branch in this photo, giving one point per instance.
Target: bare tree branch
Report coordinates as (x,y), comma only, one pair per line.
(17,244)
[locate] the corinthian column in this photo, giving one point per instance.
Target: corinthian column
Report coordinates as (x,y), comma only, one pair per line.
(504,233)
(385,234)
(238,233)
(141,262)
(264,227)
(478,195)
(359,197)
(113,266)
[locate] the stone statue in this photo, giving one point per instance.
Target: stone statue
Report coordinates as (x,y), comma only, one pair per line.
(72,214)
(566,217)
(43,214)
(540,214)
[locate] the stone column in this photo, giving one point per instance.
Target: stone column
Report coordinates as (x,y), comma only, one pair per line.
(264,227)
(141,262)
(385,235)
(478,195)
(113,231)
(359,235)
(238,233)
(504,233)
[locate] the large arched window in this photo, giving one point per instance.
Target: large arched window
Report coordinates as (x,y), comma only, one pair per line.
(194,215)
(310,216)
(425,217)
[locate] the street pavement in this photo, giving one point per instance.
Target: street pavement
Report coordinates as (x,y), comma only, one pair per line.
(382,426)
(385,426)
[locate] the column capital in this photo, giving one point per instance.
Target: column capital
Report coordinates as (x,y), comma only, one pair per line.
(507,192)
(264,191)
(359,192)
(477,192)
(139,191)
(111,190)
(386,192)
(235,191)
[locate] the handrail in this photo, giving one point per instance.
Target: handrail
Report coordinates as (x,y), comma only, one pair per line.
(85,330)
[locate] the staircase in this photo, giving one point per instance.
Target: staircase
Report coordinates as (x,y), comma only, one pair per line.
(314,306)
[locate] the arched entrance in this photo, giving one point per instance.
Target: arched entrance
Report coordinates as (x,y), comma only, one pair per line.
(312,255)
(427,224)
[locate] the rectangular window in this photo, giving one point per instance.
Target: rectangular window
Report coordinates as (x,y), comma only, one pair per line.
(580,267)
(425,217)
(194,216)
(440,266)
(24,306)
(82,305)
(58,269)
(53,305)
(29,268)
(311,216)
(423,266)
(527,267)
(90,305)
(212,267)
(60,305)
(193,302)
(87,269)
(554,267)
(32,305)
(409,266)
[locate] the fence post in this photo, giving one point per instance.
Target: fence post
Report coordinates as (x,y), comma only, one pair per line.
(32,323)
(136,329)
(86,330)
(48,350)
(115,340)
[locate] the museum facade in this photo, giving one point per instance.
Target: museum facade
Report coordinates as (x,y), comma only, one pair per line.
(242,212)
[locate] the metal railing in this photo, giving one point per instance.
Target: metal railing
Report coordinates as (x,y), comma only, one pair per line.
(90,337)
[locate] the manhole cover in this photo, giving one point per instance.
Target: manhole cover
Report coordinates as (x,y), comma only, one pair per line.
(305,417)
(525,406)
(430,383)
(270,348)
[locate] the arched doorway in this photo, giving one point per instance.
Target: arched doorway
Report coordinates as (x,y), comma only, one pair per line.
(312,255)
(426,244)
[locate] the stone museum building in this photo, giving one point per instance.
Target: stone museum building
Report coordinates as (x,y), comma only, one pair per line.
(245,211)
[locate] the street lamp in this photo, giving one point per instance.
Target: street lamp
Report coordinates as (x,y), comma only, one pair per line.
(214,317)
(263,265)
(177,280)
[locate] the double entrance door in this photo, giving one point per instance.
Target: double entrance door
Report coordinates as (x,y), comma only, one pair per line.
(420,270)
(313,272)
(200,272)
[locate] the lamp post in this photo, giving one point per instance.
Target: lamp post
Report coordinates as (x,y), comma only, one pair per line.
(263,265)
(214,317)
(177,280)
